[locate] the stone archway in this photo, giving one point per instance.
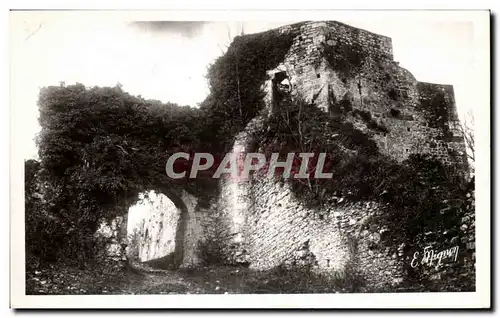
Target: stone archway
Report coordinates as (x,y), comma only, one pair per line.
(188,231)
(152,228)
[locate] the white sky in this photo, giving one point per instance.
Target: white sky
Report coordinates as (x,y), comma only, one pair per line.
(170,66)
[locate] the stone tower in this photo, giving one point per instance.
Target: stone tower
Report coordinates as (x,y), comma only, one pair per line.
(331,63)
(336,67)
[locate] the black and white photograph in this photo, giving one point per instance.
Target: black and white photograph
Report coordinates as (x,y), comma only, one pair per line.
(333,156)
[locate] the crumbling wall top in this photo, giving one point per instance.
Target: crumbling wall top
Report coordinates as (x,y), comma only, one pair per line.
(378,44)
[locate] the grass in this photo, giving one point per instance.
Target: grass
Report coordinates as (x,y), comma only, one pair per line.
(60,280)
(208,280)
(274,281)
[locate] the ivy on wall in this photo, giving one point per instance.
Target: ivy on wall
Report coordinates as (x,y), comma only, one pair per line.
(434,106)
(414,191)
(346,59)
(235,81)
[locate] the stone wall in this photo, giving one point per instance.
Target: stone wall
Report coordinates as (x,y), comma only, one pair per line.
(335,240)
(113,235)
(441,124)
(260,222)
(155,227)
(467,237)
(416,117)
(170,225)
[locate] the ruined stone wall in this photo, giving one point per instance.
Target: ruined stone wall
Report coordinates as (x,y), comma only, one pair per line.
(336,240)
(380,46)
(223,226)
(261,223)
(406,116)
(441,124)
(226,222)
(113,235)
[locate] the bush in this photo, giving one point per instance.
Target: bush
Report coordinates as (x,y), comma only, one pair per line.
(395,112)
(134,244)
(370,121)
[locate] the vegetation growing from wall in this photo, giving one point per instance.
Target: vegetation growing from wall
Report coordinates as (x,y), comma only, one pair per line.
(416,191)
(346,59)
(302,127)
(393,94)
(235,81)
(370,121)
(434,107)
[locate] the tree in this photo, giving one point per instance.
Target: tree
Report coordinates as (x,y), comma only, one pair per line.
(467,129)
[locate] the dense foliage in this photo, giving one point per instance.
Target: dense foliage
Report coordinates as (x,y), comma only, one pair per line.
(235,81)
(99,148)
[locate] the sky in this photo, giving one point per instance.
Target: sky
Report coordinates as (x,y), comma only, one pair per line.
(168,60)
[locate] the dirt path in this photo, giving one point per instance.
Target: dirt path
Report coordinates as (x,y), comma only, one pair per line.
(76,281)
(137,280)
(141,279)
(160,283)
